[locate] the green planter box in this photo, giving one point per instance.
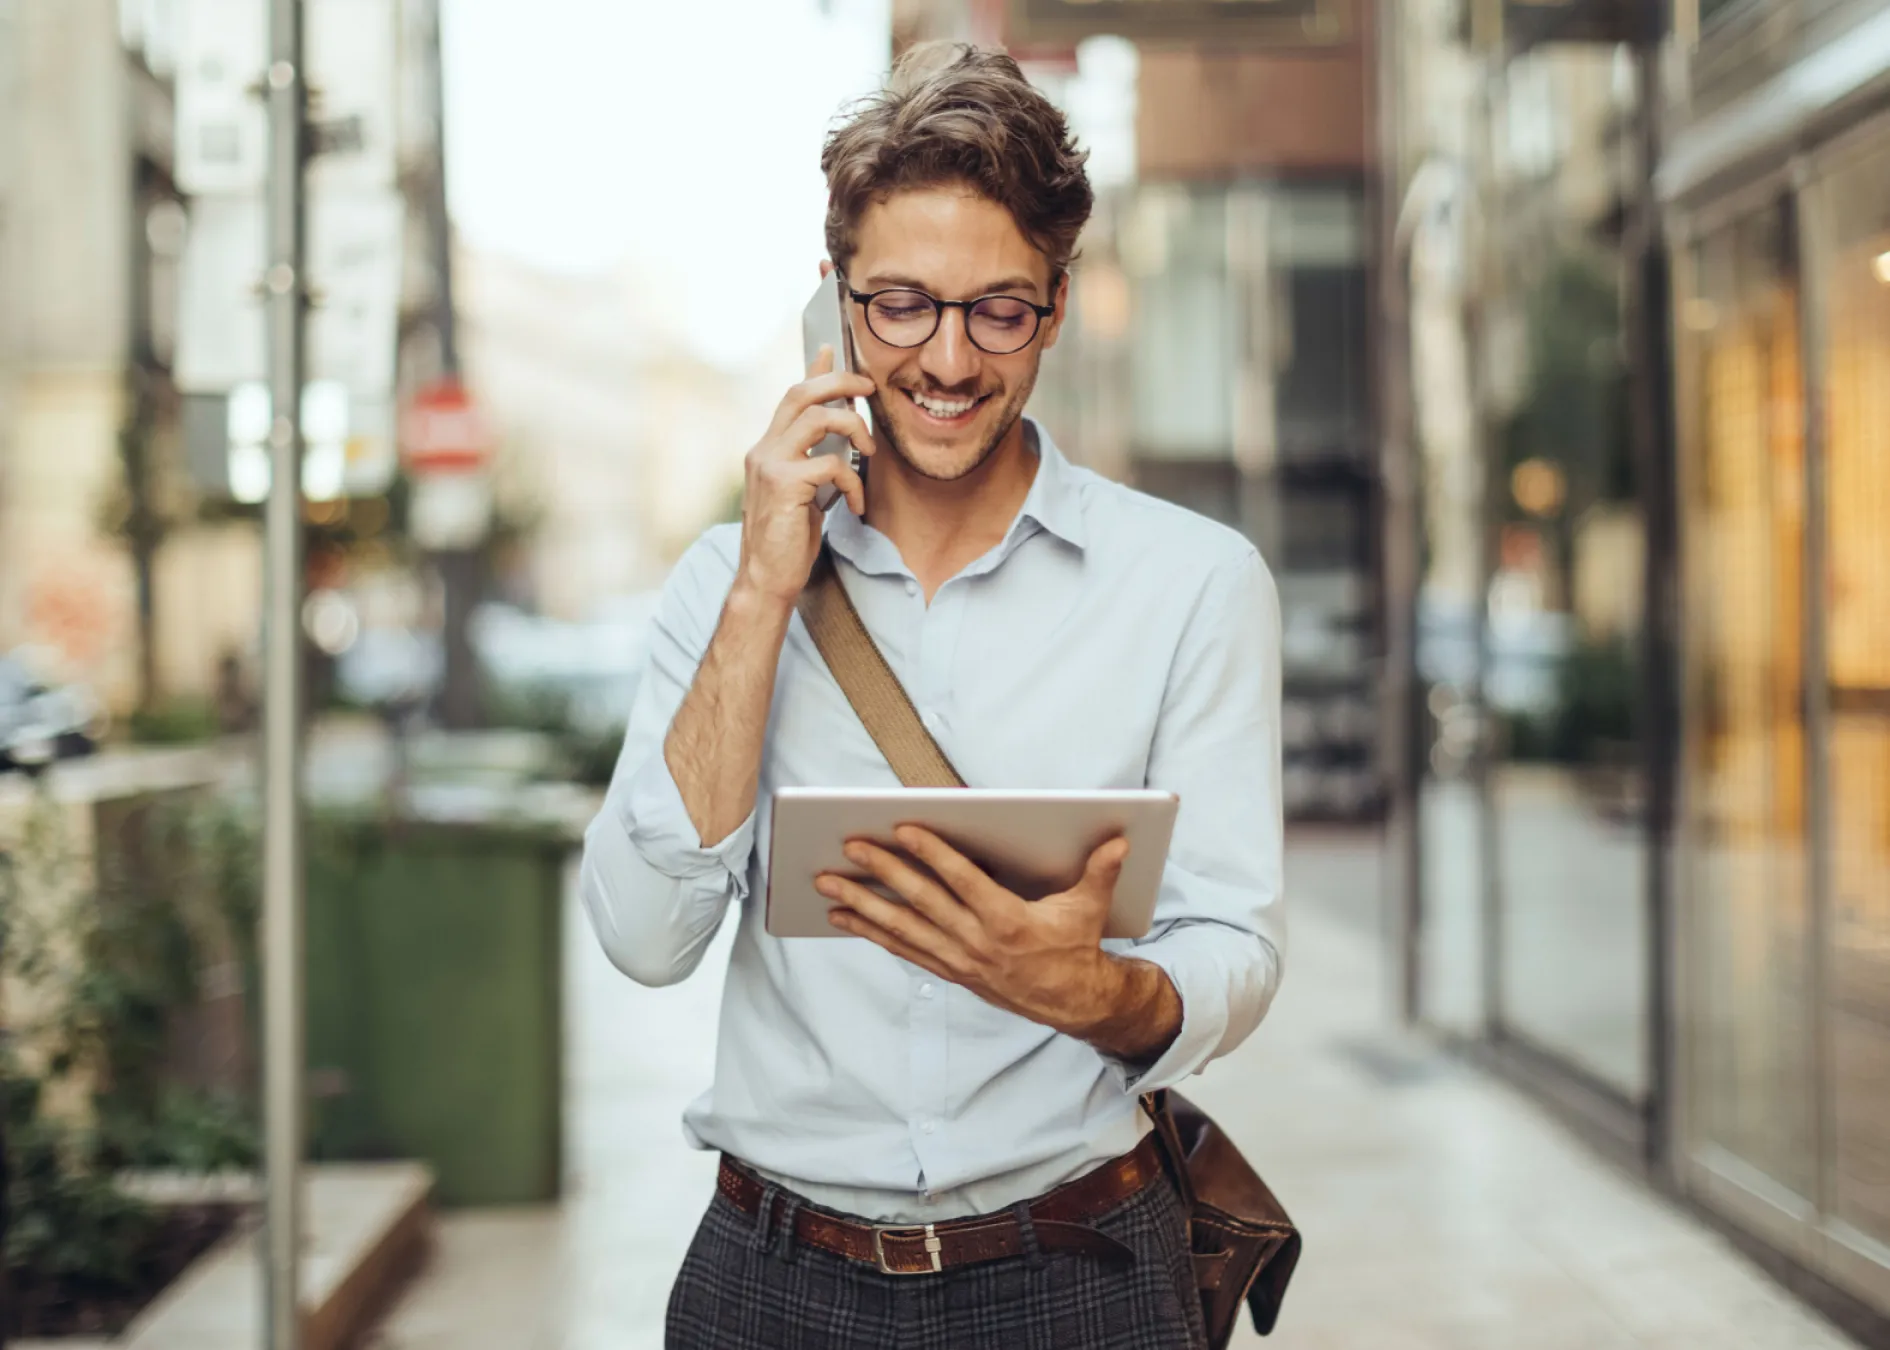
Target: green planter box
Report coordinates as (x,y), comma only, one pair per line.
(435,1028)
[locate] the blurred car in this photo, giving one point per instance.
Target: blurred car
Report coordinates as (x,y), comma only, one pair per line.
(585,673)
(41,723)
(1525,656)
(390,667)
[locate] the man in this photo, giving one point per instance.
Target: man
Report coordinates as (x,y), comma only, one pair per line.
(954,1094)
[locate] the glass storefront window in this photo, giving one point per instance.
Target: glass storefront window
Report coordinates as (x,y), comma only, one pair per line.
(1564,685)
(1855,288)
(1745,895)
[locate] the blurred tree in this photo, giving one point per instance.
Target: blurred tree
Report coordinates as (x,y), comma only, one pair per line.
(136,514)
(1575,413)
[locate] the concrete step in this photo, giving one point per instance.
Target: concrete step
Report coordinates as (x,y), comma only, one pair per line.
(366,1229)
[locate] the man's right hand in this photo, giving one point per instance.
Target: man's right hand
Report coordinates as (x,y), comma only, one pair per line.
(780,522)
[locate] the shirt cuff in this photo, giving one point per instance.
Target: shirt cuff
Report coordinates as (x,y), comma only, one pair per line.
(1195,959)
(659,825)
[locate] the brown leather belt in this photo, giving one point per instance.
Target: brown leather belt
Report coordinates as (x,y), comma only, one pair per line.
(1060,1220)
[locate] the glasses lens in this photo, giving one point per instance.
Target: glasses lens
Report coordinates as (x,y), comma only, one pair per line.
(902,318)
(1000,324)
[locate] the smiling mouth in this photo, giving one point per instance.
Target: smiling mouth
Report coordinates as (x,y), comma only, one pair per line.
(945,411)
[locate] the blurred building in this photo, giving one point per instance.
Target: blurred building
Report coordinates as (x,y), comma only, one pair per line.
(1778,179)
(1638,342)
(90,231)
(621,446)
(124,560)
(1220,352)
(554,358)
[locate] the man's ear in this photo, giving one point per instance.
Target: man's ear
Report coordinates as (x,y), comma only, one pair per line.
(1060,300)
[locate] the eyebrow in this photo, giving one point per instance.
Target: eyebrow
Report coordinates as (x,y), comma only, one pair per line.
(881,281)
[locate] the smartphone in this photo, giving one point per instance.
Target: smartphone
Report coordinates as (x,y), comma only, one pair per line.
(824,324)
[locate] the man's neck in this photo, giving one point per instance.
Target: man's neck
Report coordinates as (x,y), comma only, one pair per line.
(941,528)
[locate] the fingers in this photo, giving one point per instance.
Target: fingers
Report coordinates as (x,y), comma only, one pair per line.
(820,421)
(847,921)
(922,892)
(823,384)
(966,879)
(1104,868)
(912,929)
(833,469)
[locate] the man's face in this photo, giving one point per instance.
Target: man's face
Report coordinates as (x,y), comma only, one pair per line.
(945,406)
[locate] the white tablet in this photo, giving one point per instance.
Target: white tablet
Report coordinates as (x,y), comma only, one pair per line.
(1034,842)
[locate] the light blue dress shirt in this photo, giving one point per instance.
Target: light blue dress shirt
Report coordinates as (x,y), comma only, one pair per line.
(1110,641)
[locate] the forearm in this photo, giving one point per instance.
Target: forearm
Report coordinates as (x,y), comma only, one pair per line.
(714,745)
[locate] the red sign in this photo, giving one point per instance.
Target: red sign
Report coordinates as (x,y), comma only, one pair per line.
(443,432)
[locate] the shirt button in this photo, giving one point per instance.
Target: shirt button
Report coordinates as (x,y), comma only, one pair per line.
(925,991)
(912,587)
(926,1126)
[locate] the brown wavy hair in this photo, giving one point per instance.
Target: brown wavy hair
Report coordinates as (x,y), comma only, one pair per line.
(954,113)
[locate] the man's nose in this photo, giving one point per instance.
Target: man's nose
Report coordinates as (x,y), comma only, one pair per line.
(949,358)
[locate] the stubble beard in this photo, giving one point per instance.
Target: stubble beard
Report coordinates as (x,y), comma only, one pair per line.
(888,427)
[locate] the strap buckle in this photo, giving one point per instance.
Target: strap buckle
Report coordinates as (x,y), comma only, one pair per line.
(933,1246)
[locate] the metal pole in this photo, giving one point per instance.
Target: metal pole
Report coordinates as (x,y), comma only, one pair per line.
(440,225)
(1403,750)
(282,699)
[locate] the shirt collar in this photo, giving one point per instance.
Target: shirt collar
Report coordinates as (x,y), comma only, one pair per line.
(1055,499)
(1054,503)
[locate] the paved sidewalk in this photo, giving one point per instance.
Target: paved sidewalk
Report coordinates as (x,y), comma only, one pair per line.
(1442,1211)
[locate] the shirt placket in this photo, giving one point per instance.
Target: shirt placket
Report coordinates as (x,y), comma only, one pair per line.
(928,1002)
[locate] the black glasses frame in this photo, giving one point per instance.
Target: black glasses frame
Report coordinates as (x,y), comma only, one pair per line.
(865,299)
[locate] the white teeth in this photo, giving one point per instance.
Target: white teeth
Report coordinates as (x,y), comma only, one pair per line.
(939,408)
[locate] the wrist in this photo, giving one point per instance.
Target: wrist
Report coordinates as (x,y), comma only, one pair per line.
(1106,990)
(1135,1012)
(751,603)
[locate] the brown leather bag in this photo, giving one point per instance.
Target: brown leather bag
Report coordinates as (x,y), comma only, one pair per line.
(1245,1246)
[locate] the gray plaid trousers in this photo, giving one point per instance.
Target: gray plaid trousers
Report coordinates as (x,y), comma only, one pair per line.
(743,1288)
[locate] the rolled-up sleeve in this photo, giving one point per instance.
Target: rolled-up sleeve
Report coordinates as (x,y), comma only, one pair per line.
(1220,922)
(655,894)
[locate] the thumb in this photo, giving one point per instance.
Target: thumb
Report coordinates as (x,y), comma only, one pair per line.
(1104,866)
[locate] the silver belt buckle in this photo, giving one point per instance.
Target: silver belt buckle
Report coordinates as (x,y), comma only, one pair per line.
(933,1246)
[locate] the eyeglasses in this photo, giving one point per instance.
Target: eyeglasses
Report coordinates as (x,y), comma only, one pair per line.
(996,324)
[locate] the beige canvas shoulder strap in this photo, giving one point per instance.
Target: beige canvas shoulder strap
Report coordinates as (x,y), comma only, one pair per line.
(868,682)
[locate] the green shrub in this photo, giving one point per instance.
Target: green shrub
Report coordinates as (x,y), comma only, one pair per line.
(112,960)
(175,722)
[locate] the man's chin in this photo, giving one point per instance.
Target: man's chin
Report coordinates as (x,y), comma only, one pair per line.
(943,455)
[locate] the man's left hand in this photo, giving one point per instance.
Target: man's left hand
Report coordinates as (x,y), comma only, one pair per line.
(1041,959)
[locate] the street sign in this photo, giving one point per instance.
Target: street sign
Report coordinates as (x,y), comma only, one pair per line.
(1294,23)
(221,121)
(222,126)
(446,446)
(442,431)
(450,512)
(356,249)
(351,61)
(357,243)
